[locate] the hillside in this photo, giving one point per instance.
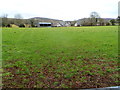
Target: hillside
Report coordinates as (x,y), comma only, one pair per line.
(42,19)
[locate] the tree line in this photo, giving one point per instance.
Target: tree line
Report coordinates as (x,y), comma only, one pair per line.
(93,20)
(17,20)
(96,20)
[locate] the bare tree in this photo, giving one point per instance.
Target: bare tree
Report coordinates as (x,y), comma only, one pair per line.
(18,20)
(4,20)
(85,22)
(94,16)
(102,22)
(32,22)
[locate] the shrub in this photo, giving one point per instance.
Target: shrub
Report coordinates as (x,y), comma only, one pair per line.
(21,25)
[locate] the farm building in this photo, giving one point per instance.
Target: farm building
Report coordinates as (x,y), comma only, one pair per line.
(44,24)
(77,24)
(67,23)
(56,25)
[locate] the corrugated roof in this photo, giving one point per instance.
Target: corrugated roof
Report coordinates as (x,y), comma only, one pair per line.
(44,23)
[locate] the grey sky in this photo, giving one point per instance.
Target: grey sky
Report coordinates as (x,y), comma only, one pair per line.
(59,9)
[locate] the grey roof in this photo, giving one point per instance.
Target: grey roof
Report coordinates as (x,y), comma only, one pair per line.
(44,23)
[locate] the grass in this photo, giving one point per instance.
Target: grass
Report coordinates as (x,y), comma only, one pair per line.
(63,57)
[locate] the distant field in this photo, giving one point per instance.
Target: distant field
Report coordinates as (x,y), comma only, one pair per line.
(63,57)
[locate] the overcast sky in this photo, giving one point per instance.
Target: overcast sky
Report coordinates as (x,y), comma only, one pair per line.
(59,9)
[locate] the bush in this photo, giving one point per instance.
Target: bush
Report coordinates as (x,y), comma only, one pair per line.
(21,25)
(8,25)
(107,24)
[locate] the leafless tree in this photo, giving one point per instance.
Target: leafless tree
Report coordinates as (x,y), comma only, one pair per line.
(95,18)
(4,20)
(18,19)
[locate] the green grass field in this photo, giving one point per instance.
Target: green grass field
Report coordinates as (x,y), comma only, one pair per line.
(63,57)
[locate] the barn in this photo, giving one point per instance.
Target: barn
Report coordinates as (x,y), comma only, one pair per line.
(44,24)
(56,24)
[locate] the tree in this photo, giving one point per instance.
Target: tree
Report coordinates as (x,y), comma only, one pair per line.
(118,20)
(72,23)
(18,19)
(113,21)
(94,15)
(102,22)
(94,18)
(32,22)
(4,20)
(108,24)
(21,25)
(85,22)
(27,21)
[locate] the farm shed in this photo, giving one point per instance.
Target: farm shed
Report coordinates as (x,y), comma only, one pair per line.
(67,24)
(77,24)
(56,25)
(44,24)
